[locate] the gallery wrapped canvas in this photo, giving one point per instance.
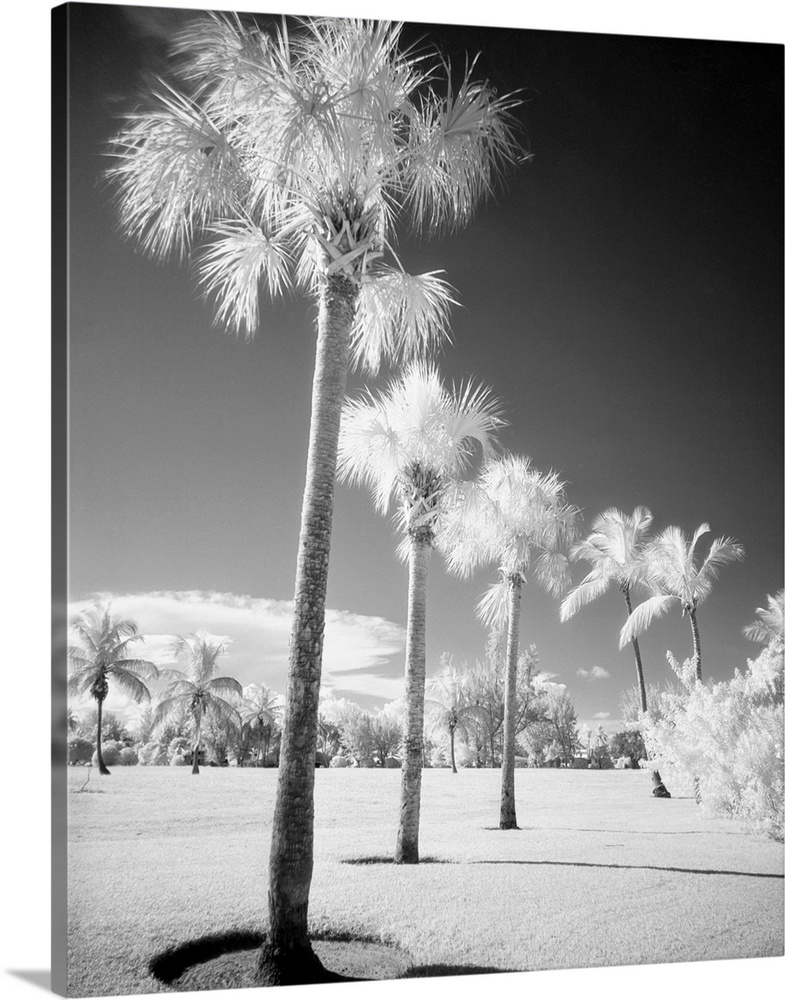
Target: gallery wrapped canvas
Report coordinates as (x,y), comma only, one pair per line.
(519,709)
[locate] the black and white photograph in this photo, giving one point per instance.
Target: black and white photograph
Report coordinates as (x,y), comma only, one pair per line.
(417,500)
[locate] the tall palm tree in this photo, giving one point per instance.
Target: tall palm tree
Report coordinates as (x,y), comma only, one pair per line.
(197,692)
(102,655)
(678,578)
(410,443)
(296,156)
(260,711)
(450,699)
(769,626)
(517,518)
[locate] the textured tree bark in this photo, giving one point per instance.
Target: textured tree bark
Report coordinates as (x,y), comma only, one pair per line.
(507,820)
(696,644)
(407,844)
(102,768)
(286,957)
(452,750)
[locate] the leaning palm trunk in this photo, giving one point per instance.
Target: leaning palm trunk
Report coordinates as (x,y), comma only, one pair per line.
(407,847)
(452,750)
(659,785)
(507,820)
(197,740)
(102,768)
(286,956)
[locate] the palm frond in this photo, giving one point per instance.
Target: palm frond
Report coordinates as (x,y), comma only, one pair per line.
(400,317)
(593,585)
(225,685)
(131,683)
(241,258)
(494,605)
(770,625)
(645,613)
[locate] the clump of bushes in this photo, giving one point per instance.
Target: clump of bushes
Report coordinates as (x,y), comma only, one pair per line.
(80,750)
(728,735)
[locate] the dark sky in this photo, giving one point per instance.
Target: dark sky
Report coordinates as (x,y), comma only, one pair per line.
(622,294)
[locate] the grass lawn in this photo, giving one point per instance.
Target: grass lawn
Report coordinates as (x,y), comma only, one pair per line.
(600,873)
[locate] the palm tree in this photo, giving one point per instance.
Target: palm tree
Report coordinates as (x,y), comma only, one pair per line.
(518,518)
(615,549)
(769,626)
(260,711)
(672,569)
(197,692)
(411,442)
(295,156)
(449,697)
(102,654)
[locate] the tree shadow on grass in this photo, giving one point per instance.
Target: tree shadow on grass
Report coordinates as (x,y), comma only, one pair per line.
(386,859)
(173,962)
(652,868)
(424,971)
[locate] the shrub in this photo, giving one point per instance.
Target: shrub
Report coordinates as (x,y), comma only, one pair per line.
(729,735)
(178,760)
(128,756)
(80,750)
(153,754)
(110,751)
(178,747)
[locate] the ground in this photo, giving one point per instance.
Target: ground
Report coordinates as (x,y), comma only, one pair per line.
(600,873)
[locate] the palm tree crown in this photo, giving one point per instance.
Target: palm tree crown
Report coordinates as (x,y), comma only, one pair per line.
(517,518)
(614,547)
(103,654)
(198,692)
(296,154)
(672,569)
(769,626)
(412,441)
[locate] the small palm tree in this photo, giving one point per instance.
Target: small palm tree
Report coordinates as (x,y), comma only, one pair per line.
(452,706)
(260,711)
(517,518)
(769,626)
(410,443)
(672,570)
(295,156)
(102,655)
(197,692)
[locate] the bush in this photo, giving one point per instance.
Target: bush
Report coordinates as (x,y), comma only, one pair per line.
(80,750)
(729,735)
(127,756)
(178,760)
(179,747)
(110,751)
(153,754)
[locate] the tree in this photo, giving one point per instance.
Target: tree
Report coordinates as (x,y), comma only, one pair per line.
(517,518)
(769,627)
(562,719)
(102,655)
(450,702)
(410,443)
(616,549)
(197,692)
(629,743)
(261,711)
(298,154)
(672,569)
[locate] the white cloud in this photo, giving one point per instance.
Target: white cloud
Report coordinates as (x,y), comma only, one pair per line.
(601,715)
(595,674)
(359,650)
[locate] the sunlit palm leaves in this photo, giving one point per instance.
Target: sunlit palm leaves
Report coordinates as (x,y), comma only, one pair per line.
(674,571)
(410,442)
(517,518)
(296,153)
(614,547)
(769,626)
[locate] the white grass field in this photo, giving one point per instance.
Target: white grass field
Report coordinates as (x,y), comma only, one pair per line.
(599,874)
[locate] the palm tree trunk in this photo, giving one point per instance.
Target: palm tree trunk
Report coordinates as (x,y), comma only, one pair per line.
(452,750)
(507,820)
(102,768)
(659,785)
(696,644)
(286,957)
(407,847)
